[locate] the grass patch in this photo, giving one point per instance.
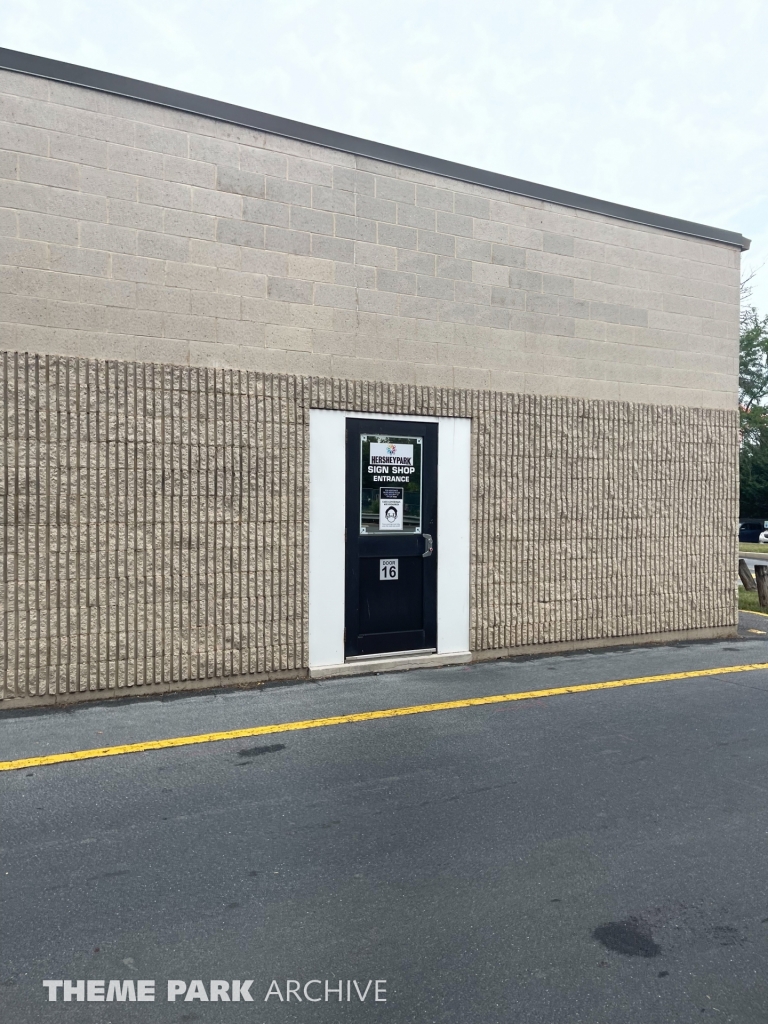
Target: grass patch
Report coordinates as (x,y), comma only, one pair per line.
(759,548)
(748,601)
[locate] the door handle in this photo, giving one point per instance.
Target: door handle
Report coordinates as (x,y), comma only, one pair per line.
(428,546)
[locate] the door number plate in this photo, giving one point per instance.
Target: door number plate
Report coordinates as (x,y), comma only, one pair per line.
(388,568)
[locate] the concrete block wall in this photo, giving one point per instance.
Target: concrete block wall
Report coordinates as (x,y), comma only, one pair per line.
(135,232)
(155,521)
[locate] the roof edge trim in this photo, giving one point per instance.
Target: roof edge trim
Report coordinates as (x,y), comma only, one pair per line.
(159,95)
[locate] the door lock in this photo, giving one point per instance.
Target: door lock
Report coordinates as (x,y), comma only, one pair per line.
(428,546)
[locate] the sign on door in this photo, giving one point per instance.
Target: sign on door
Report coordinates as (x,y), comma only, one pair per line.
(390,508)
(388,569)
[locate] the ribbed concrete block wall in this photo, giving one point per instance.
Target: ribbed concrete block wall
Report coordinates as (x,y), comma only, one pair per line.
(154,520)
(154,525)
(590,519)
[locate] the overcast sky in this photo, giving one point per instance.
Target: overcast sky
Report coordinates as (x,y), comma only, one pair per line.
(660,105)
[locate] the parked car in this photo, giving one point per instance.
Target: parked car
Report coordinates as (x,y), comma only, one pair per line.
(751,531)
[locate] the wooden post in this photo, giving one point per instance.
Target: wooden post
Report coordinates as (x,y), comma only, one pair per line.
(746,576)
(761,574)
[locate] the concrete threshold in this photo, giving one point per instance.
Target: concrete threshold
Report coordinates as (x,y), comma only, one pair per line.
(400,663)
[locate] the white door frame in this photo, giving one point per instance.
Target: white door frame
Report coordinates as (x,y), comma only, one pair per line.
(327,484)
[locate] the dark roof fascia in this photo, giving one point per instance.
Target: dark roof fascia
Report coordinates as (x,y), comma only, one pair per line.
(118,85)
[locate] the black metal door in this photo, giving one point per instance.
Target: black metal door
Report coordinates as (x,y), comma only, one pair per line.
(391,549)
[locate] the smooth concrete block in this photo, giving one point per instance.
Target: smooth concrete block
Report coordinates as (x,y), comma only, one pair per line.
(396,281)
(562,244)
(454,224)
(9,223)
(311,171)
(77,205)
(161,140)
(232,232)
(334,200)
(350,179)
(214,304)
(415,217)
(9,165)
(490,231)
(554,263)
(397,236)
(457,269)
(255,261)
(333,343)
(508,256)
(370,208)
(437,288)
(294,193)
(24,139)
(45,228)
(536,303)
(411,262)
(417,351)
(129,160)
(101,292)
(395,189)
(44,171)
(473,249)
(472,206)
(335,295)
(288,338)
(385,303)
(372,255)
(189,172)
(352,245)
(18,195)
(213,151)
(308,268)
(286,290)
(353,276)
(163,300)
(261,161)
(89,262)
(510,298)
(556,285)
(339,249)
(135,215)
(16,84)
(152,245)
(470,291)
(425,309)
(165,194)
(355,228)
(283,240)
(435,198)
(108,237)
(214,254)
(442,245)
(186,275)
(318,222)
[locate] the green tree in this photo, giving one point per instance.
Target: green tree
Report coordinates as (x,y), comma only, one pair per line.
(753,389)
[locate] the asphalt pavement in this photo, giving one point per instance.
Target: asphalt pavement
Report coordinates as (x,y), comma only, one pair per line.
(598,856)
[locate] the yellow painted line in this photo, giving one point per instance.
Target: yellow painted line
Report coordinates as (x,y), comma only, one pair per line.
(748,611)
(363,716)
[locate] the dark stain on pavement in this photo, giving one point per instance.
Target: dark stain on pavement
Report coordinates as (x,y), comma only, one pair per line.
(727,935)
(631,937)
(271,748)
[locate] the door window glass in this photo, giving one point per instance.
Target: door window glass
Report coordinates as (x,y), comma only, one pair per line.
(390,484)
